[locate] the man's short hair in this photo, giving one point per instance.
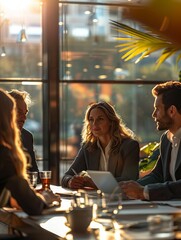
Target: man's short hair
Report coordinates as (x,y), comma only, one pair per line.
(171,94)
(21,95)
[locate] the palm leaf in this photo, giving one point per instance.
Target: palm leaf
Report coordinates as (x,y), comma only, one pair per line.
(138,44)
(165,54)
(131,31)
(178,59)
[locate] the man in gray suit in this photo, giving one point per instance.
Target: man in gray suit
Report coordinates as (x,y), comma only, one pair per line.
(163,182)
(23,100)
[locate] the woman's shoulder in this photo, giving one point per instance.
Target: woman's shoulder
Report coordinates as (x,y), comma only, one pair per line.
(130,141)
(89,147)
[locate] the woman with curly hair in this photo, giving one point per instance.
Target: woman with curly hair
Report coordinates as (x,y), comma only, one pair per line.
(107,145)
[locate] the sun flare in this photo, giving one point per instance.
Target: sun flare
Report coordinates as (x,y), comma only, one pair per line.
(11,6)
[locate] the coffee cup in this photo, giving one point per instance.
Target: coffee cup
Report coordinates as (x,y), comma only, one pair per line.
(79,218)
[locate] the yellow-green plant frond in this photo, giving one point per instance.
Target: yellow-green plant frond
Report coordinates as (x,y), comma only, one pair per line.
(124,39)
(165,54)
(126,49)
(133,53)
(178,59)
(138,44)
(122,28)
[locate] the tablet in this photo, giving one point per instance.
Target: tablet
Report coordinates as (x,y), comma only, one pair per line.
(104,181)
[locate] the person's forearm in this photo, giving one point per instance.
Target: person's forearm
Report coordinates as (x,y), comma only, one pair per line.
(65,181)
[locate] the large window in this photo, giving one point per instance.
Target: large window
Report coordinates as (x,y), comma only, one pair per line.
(89,49)
(20,39)
(91,70)
(21,59)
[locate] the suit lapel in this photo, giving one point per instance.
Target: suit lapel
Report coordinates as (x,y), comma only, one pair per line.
(166,166)
(112,163)
(178,161)
(94,160)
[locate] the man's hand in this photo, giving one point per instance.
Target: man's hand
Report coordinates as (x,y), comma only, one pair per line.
(132,189)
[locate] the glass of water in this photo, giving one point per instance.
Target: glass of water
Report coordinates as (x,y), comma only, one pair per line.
(33,177)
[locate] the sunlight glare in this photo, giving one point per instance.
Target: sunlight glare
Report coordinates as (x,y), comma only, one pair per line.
(14,5)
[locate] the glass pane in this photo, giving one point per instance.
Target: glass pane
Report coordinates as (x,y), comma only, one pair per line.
(89,47)
(134,103)
(34,117)
(20,39)
(88,53)
(107,1)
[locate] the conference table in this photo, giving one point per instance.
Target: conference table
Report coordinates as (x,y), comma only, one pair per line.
(130,223)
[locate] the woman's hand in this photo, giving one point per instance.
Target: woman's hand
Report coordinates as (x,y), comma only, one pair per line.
(50,198)
(76,182)
(14,204)
(89,183)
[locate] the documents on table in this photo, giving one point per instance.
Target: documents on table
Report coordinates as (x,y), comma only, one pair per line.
(64,192)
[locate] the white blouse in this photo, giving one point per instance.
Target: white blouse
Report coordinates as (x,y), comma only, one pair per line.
(104,156)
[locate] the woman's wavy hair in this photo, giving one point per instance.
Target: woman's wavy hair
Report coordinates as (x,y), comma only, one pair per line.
(118,130)
(9,133)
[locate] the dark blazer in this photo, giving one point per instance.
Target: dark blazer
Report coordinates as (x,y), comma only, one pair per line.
(123,165)
(18,186)
(27,140)
(164,191)
(160,173)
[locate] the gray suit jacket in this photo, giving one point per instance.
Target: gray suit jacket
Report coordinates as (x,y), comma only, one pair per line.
(160,173)
(123,166)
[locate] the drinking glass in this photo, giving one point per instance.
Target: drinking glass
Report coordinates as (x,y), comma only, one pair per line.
(33,177)
(105,209)
(159,224)
(45,177)
(111,203)
(107,205)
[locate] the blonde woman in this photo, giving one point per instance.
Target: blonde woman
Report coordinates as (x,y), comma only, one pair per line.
(107,145)
(13,163)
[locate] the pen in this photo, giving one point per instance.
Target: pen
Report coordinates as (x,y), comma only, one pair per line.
(74,172)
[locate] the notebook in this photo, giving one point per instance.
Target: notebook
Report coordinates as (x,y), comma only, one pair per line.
(104,181)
